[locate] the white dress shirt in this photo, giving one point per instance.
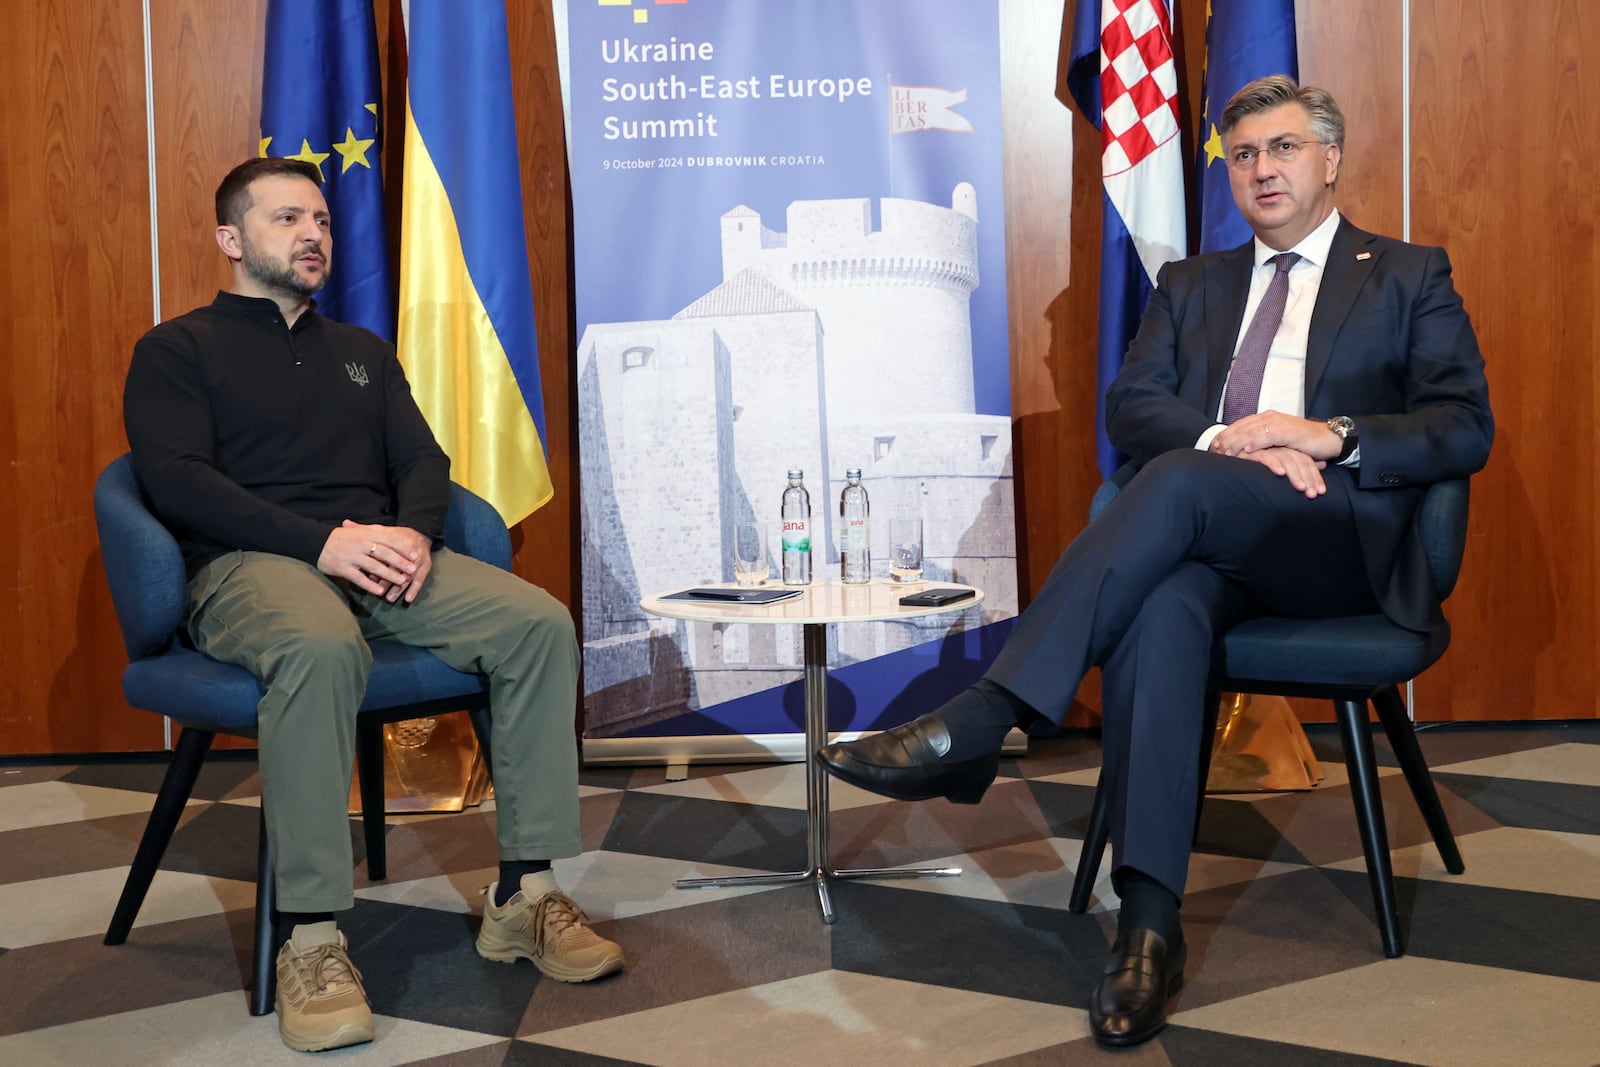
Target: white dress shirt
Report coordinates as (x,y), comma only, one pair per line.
(1283,384)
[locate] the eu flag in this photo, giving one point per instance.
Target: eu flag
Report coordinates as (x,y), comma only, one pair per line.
(1245,40)
(319,103)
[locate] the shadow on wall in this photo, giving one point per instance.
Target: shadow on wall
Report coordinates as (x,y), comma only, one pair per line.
(661,688)
(610,605)
(841,704)
(93,665)
(1053,452)
(1515,556)
(957,667)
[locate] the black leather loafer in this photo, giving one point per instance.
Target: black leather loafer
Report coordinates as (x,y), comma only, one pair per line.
(1130,1003)
(907,763)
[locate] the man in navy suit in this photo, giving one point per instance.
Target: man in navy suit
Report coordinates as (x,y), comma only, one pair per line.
(1279,475)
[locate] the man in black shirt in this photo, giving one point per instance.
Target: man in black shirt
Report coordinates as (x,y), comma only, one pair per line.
(286,454)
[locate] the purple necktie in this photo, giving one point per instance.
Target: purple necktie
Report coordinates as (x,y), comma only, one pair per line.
(1250,363)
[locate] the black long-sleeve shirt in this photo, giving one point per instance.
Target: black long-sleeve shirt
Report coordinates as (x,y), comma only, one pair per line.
(248,434)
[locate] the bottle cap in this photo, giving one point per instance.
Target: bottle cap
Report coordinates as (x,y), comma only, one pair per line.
(853,472)
(796,474)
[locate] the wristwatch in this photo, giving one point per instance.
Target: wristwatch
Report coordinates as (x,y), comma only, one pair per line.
(1345,427)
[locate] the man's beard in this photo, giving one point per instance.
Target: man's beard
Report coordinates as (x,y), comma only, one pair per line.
(280,277)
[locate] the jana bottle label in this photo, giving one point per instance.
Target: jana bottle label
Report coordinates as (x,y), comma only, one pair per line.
(796,536)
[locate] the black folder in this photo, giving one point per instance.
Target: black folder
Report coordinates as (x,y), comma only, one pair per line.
(730,595)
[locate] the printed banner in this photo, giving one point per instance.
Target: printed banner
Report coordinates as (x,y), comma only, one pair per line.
(789,253)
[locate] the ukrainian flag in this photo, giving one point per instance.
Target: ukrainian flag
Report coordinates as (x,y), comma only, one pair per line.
(1245,40)
(466,297)
(319,103)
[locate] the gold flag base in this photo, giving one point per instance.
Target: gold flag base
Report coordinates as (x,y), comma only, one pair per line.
(435,764)
(431,764)
(1260,747)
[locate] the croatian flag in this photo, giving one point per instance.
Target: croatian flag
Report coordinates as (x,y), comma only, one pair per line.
(1124,80)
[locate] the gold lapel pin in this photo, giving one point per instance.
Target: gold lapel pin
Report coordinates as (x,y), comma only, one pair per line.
(1363,255)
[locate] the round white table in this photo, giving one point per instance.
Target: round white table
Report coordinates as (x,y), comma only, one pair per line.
(822,602)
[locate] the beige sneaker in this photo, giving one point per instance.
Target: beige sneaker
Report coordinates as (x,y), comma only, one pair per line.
(551,931)
(321,1003)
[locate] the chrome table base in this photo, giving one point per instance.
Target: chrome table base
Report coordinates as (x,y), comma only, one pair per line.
(817,871)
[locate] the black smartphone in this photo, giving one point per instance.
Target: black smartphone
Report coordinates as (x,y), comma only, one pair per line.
(935,598)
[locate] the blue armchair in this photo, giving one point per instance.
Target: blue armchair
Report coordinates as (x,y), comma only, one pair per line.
(1349,661)
(145,570)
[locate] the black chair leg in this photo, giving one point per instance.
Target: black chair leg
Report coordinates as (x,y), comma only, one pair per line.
(1208,745)
(481,726)
(1356,734)
(1403,739)
(264,962)
(1094,847)
(187,756)
(369,771)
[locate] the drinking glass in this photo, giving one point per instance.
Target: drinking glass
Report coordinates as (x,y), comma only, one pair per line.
(905,550)
(750,563)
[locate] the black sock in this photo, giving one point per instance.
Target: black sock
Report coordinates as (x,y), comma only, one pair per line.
(979,718)
(288,920)
(511,872)
(1146,904)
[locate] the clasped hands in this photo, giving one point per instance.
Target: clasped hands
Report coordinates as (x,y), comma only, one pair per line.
(1290,447)
(387,561)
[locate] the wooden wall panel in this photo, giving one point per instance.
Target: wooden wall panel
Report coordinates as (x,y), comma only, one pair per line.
(1505,109)
(1501,108)
(547,542)
(76,285)
(207,107)
(1352,48)
(1048,274)
(1053,199)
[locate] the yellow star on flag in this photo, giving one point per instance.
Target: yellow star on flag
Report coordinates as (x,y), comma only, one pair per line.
(314,158)
(1213,146)
(264,142)
(353,150)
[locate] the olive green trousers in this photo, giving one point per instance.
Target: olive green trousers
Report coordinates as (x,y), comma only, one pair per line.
(304,636)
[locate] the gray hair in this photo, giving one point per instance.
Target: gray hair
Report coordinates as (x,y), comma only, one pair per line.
(1264,94)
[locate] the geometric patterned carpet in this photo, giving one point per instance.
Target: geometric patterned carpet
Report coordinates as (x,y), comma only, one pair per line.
(1285,962)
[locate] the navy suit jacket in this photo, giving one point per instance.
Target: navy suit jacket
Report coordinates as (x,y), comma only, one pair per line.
(1390,345)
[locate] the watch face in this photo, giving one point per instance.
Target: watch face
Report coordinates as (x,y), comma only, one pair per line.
(1343,425)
